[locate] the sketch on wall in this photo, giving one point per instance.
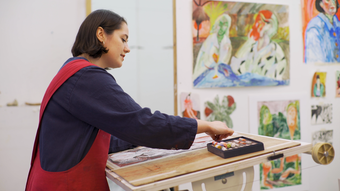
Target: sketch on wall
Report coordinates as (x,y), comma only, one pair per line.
(323,136)
(216,111)
(321,31)
(337,82)
(190,105)
(322,114)
(240,44)
(319,84)
(278,116)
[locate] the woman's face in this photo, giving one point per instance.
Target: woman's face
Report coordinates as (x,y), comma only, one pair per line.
(117,45)
(329,6)
(318,81)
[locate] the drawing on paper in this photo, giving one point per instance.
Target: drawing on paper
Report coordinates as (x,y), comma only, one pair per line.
(190,105)
(323,136)
(280,119)
(322,114)
(142,154)
(337,82)
(216,111)
(240,44)
(319,84)
(321,31)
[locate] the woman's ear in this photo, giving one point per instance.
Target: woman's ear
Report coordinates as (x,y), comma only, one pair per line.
(100,33)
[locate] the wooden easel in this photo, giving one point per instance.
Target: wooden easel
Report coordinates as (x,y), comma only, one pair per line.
(199,165)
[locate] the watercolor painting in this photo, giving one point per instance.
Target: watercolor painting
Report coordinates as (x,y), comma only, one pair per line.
(240,44)
(279,115)
(190,105)
(321,114)
(280,119)
(319,84)
(321,31)
(323,136)
(216,111)
(337,82)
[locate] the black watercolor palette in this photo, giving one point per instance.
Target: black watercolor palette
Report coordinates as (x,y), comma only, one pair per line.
(242,145)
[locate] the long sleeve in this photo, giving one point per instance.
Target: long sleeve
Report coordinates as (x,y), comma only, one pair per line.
(98,100)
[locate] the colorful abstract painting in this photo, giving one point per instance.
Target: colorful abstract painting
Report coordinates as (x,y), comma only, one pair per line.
(321,114)
(220,111)
(319,84)
(280,119)
(337,82)
(321,31)
(240,44)
(190,105)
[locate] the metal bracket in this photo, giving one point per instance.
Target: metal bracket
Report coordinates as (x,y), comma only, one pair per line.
(275,156)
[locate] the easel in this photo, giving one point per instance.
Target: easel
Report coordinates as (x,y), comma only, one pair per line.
(201,166)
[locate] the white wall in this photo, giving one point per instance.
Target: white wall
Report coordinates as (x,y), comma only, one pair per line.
(319,177)
(36,38)
(147,72)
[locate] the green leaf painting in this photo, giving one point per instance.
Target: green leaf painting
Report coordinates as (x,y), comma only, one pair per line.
(216,111)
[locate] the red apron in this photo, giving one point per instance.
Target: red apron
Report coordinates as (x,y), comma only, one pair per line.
(89,173)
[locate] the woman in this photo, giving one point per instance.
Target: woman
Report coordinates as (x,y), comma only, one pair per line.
(260,54)
(84,105)
(322,42)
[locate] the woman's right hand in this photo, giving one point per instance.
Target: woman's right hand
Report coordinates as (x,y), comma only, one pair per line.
(217,130)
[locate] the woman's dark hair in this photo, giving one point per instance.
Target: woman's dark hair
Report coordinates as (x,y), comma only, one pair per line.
(320,9)
(87,41)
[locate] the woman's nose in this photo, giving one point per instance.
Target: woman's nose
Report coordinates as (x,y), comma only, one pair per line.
(126,49)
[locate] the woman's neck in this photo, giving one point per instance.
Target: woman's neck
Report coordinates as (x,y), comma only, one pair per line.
(92,60)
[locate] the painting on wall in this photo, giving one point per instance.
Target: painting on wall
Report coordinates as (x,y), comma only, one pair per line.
(321,31)
(220,111)
(240,44)
(323,136)
(279,119)
(322,114)
(190,105)
(319,84)
(337,82)
(278,116)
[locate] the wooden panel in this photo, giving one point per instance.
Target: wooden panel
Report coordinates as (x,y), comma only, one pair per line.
(192,161)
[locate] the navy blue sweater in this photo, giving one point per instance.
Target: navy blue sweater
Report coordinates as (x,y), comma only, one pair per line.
(91,100)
